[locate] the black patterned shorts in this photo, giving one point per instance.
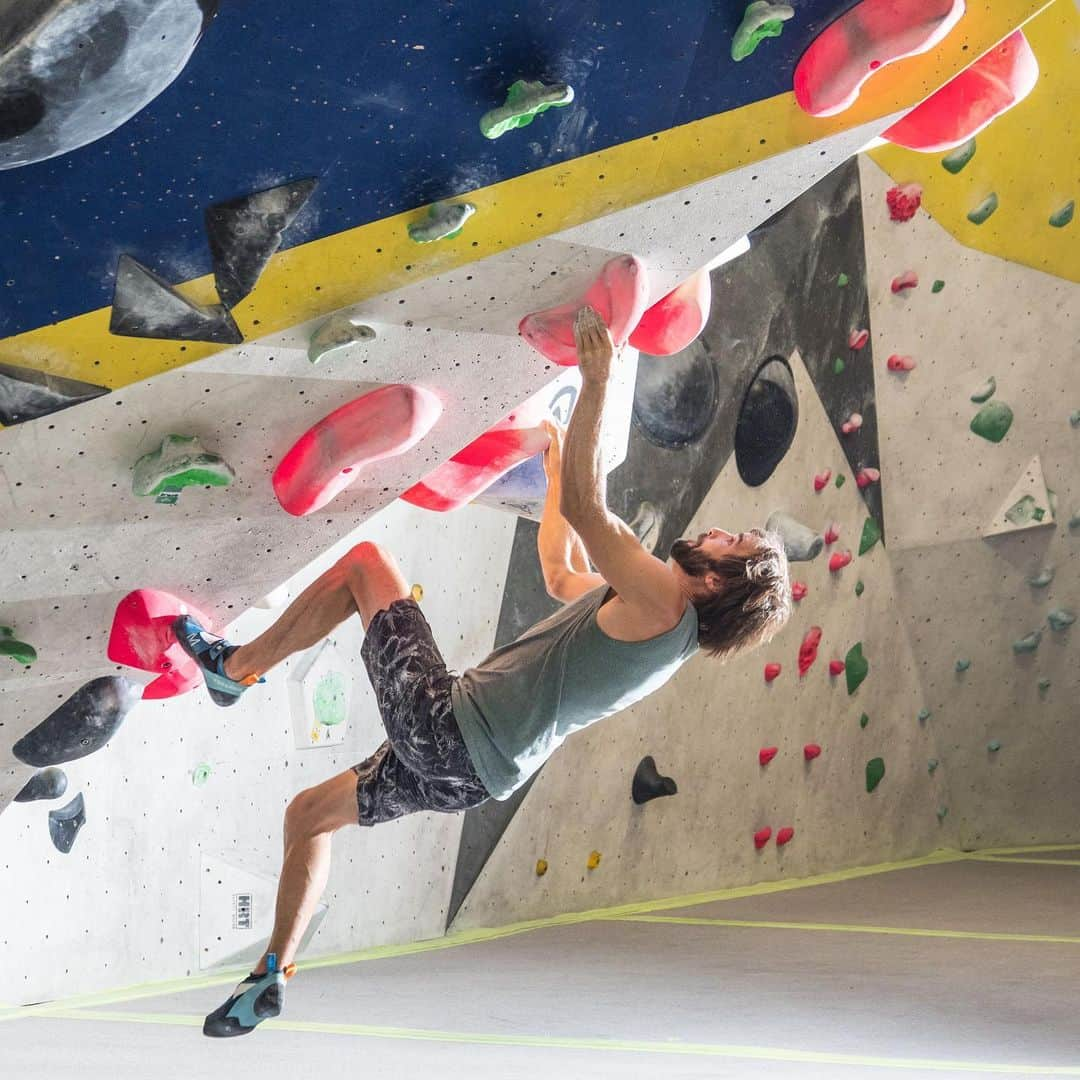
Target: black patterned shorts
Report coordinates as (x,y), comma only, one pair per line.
(424,764)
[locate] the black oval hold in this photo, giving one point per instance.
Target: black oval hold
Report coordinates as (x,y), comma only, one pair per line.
(675,397)
(767,421)
(50,783)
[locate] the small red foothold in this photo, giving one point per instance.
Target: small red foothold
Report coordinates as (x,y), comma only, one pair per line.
(852,423)
(838,560)
(907,280)
(811,750)
(761,837)
(821,479)
(784,836)
(798,591)
(771,672)
(808,649)
(865,477)
(836,667)
(766,755)
(900,363)
(857,339)
(832,533)
(904,200)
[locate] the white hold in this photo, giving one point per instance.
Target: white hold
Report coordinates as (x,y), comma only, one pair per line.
(337,332)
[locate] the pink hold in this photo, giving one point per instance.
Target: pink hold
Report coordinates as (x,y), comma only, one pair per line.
(907,280)
(329,456)
(784,836)
(857,339)
(771,672)
(619,295)
(832,533)
(865,477)
(821,479)
(838,560)
(967,103)
(900,363)
(674,323)
(904,200)
(766,754)
(811,751)
(761,837)
(836,667)
(798,591)
(852,423)
(808,650)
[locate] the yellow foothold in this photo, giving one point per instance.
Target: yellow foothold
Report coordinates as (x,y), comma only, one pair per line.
(594,860)
(418,593)
(314,734)
(541,867)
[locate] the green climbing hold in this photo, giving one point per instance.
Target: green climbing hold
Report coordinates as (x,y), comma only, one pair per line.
(179,462)
(937,286)
(524,102)
(1074,418)
(860,588)
(1044,685)
(984,209)
(1024,511)
(992,421)
(842,279)
(444,221)
(838,366)
(871,534)
(993,746)
(19,651)
(1041,579)
(941,812)
(856,668)
(1027,644)
(840,479)
(200,774)
(985,392)
(932,765)
(875,770)
(864,720)
(1060,618)
(956,159)
(330,699)
(1060,218)
(1074,521)
(924,715)
(760,20)
(962,665)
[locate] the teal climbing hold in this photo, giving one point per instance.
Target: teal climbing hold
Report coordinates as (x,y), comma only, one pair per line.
(931,765)
(985,392)
(525,101)
(179,462)
(941,812)
(1060,218)
(1074,521)
(444,221)
(19,651)
(871,534)
(856,667)
(984,209)
(1024,511)
(937,286)
(760,20)
(200,774)
(330,700)
(842,279)
(956,159)
(993,746)
(1060,618)
(1041,579)
(992,421)
(1074,418)
(1044,685)
(924,715)
(875,771)
(1027,644)
(963,664)
(838,366)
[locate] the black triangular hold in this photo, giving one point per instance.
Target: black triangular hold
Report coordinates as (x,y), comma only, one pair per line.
(65,823)
(245,232)
(649,784)
(26,394)
(146,306)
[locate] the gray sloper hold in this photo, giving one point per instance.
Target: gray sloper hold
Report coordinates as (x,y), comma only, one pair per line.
(65,823)
(48,784)
(83,724)
(26,394)
(245,232)
(649,784)
(146,306)
(801,543)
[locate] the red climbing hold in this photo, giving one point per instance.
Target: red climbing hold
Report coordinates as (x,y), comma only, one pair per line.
(808,649)
(836,667)
(674,323)
(798,591)
(900,363)
(811,751)
(838,560)
(865,477)
(996,82)
(142,637)
(821,479)
(852,423)
(761,837)
(766,755)
(857,339)
(618,295)
(330,455)
(866,38)
(771,672)
(904,200)
(784,836)
(832,533)
(907,280)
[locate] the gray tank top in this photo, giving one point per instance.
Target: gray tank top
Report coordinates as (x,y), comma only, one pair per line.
(516,708)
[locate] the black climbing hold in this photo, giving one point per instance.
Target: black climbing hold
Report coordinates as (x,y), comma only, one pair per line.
(48,784)
(675,399)
(767,421)
(245,232)
(83,724)
(146,306)
(649,784)
(65,823)
(26,394)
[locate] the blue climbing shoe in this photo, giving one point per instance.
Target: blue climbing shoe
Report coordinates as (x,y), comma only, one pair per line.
(257,998)
(210,652)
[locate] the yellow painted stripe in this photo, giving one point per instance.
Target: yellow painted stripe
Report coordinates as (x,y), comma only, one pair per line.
(850,928)
(316,278)
(1030,850)
(623,1046)
(1018,859)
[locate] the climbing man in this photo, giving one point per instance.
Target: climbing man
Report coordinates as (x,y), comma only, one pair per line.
(455,741)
